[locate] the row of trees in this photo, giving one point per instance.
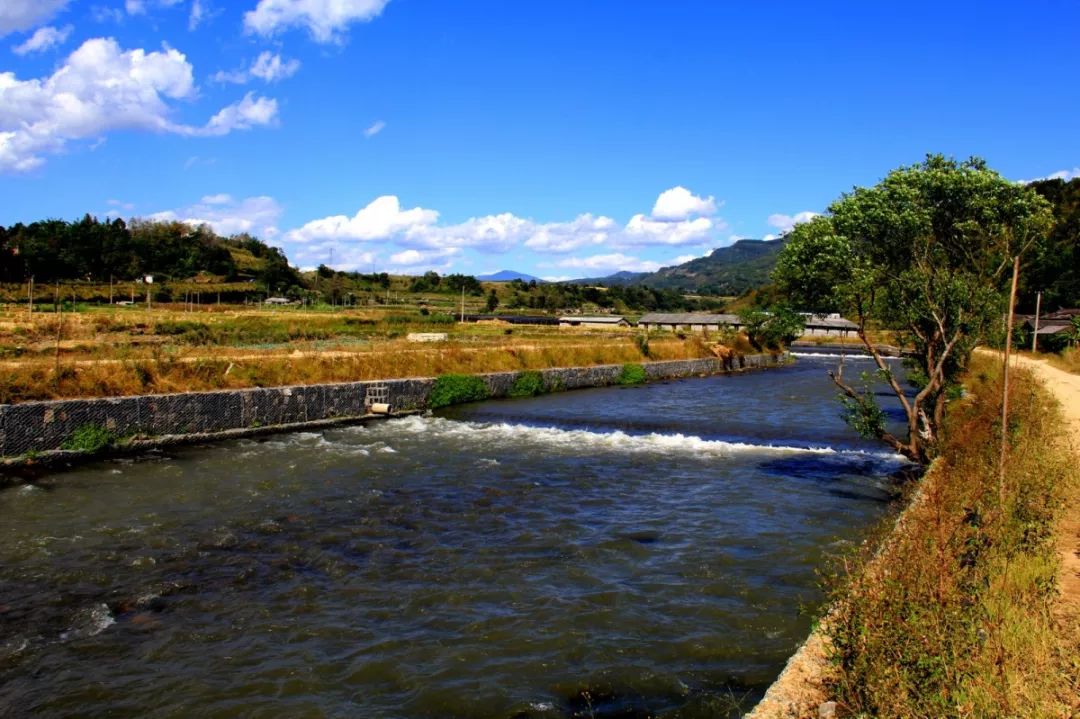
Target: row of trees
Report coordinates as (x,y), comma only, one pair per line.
(96,250)
(555,296)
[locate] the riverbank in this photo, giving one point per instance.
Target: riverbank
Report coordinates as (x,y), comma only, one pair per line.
(53,433)
(969,607)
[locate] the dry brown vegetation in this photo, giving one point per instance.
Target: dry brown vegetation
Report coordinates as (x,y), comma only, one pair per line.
(126,351)
(954,616)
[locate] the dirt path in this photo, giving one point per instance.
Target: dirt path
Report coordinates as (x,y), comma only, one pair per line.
(1065,386)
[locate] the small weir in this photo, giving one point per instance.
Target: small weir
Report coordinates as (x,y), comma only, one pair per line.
(615,552)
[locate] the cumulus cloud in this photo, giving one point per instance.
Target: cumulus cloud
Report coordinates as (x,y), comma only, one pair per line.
(418,233)
(381,219)
(257,216)
(375,129)
(18,15)
(326,20)
(785,223)
(101,88)
(679,203)
(43,39)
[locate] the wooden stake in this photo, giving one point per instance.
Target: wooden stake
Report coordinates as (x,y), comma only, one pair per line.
(1035,334)
(1005,385)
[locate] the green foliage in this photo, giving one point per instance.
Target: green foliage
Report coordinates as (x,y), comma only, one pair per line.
(862,412)
(90,438)
(926,252)
(457,388)
(642,342)
(528,384)
(492,301)
(631,374)
(773,328)
(1054,268)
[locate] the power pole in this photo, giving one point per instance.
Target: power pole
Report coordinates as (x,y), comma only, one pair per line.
(1005,385)
(463,302)
(1035,334)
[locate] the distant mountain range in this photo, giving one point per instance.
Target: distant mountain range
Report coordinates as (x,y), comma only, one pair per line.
(725,271)
(507,275)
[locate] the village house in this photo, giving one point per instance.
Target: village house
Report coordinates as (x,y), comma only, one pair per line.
(688,321)
(604,321)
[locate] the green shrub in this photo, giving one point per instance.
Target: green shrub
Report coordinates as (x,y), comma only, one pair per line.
(457,388)
(90,438)
(631,374)
(642,342)
(528,384)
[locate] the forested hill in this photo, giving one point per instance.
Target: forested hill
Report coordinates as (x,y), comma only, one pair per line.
(95,250)
(725,271)
(1055,269)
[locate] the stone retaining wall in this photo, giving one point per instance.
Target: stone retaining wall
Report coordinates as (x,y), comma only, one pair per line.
(43,426)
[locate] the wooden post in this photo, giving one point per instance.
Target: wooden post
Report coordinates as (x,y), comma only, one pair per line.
(1035,334)
(1005,385)
(31,293)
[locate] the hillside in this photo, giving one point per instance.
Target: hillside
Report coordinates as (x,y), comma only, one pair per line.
(725,271)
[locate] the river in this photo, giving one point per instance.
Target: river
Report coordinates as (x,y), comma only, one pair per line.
(615,552)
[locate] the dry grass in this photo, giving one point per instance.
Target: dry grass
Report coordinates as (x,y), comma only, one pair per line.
(130,351)
(953,618)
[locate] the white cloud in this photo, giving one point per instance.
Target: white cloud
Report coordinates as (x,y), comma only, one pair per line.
(101,88)
(376,127)
(268,66)
(679,203)
(43,39)
(324,19)
(255,215)
(425,260)
(381,219)
(615,262)
(785,223)
(17,15)
(1059,175)
(583,231)
(107,14)
(642,230)
(196,16)
(243,115)
(139,7)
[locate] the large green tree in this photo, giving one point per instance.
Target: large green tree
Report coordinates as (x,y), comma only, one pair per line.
(927,252)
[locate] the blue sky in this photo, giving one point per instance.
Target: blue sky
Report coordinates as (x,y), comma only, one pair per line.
(563,139)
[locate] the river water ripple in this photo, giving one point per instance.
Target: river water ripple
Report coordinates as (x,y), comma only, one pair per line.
(617,552)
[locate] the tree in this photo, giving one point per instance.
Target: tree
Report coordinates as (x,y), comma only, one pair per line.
(492,301)
(772,328)
(926,252)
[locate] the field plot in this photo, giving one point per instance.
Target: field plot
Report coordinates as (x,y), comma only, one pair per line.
(115,351)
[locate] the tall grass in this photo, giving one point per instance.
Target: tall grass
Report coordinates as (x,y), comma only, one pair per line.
(952,617)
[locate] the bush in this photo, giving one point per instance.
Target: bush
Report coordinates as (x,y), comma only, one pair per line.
(90,438)
(457,388)
(528,384)
(642,342)
(631,374)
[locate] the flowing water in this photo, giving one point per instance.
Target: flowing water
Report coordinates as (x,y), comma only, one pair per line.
(626,552)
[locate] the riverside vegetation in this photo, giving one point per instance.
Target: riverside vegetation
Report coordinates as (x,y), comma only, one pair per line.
(954,615)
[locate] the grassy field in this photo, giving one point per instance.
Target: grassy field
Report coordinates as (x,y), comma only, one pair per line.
(98,351)
(955,615)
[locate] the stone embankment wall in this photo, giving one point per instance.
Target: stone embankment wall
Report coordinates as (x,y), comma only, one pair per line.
(42,426)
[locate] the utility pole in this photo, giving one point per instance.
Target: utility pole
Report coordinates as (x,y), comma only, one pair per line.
(463,302)
(1035,334)
(30,294)
(1005,386)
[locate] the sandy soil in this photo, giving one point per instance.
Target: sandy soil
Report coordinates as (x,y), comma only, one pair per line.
(1066,388)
